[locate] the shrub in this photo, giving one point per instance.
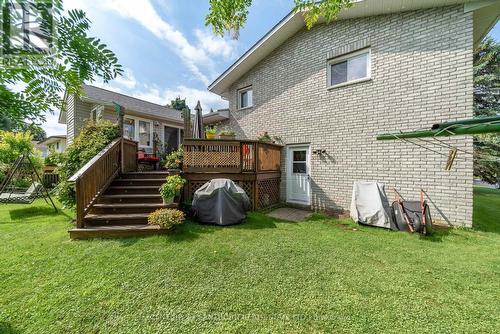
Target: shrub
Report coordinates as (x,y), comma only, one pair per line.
(54,158)
(174,159)
(173,185)
(92,139)
(14,144)
(166,218)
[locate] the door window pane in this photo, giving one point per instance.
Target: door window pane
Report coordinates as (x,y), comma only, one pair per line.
(129,128)
(144,133)
(299,167)
(299,156)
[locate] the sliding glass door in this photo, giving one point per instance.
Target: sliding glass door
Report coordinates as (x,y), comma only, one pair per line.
(172,138)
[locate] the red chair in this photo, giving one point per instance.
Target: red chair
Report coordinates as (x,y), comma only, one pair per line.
(148,159)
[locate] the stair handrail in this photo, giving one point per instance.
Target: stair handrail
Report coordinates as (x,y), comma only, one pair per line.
(95,176)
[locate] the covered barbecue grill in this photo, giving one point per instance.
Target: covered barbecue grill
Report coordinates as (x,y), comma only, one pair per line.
(220,202)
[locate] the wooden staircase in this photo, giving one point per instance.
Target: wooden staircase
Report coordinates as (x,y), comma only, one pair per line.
(123,207)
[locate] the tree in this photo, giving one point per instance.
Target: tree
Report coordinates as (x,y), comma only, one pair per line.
(231,15)
(47,75)
(178,104)
(487,103)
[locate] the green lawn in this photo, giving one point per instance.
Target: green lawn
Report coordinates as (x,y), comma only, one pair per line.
(320,275)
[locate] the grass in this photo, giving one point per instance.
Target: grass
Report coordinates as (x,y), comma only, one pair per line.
(321,275)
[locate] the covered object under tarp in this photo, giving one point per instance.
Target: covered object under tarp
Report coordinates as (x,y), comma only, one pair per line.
(369,204)
(221,202)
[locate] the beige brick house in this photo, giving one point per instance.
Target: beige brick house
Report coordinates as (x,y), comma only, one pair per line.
(382,66)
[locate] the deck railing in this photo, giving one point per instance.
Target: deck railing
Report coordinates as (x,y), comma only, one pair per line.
(96,175)
(230,156)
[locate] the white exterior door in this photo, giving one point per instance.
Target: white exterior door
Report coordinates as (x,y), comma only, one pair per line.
(298,178)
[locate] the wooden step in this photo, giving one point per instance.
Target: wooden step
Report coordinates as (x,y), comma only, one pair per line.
(125,208)
(117,190)
(115,219)
(114,231)
(130,198)
(144,175)
(137,182)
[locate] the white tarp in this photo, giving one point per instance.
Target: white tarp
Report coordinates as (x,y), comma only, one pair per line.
(369,204)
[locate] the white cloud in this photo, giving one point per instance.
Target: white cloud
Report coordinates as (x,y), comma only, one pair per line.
(51,125)
(195,56)
(127,80)
(192,95)
(215,45)
(144,13)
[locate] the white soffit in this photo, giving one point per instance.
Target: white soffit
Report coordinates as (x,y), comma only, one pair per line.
(293,22)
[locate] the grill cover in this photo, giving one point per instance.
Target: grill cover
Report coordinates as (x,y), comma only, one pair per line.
(220,202)
(369,204)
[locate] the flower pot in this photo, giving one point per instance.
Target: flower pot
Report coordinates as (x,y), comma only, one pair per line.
(210,135)
(227,137)
(168,201)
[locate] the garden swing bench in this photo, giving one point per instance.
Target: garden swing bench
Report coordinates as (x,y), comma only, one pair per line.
(11,195)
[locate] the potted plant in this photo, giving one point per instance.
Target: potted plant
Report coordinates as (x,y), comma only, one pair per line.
(210,132)
(166,218)
(173,160)
(267,138)
(227,133)
(171,188)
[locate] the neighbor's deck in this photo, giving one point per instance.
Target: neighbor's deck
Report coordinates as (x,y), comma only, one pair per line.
(254,165)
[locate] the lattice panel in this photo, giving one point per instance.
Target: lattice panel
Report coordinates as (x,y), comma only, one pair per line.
(269,192)
(216,155)
(193,186)
(248,187)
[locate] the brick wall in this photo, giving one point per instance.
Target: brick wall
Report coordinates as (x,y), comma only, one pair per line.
(421,74)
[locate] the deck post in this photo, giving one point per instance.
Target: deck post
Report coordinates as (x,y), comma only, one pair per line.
(79,204)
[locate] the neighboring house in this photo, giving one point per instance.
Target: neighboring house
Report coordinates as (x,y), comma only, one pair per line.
(382,66)
(143,121)
(52,144)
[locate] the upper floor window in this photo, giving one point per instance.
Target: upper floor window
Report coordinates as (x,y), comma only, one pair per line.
(351,68)
(97,112)
(245,98)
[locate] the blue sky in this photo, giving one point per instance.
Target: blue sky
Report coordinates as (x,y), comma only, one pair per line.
(166,49)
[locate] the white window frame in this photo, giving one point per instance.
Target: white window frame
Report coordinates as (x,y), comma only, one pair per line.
(241,91)
(136,129)
(97,112)
(343,58)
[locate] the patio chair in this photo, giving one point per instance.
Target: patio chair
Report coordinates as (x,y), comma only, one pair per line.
(148,159)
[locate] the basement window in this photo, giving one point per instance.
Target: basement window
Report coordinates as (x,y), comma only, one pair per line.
(351,68)
(245,98)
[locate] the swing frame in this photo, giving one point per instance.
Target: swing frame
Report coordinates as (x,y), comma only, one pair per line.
(15,166)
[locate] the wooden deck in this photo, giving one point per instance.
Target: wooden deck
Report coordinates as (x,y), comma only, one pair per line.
(254,165)
(114,199)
